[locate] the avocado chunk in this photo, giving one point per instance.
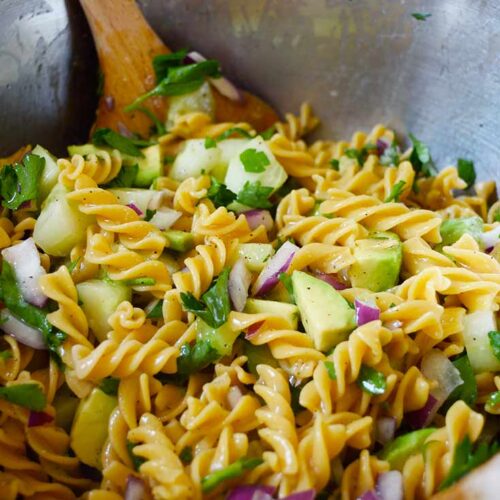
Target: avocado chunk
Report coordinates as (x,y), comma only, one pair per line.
(179,241)
(477,325)
(50,172)
(255,255)
(99,300)
(399,450)
(150,167)
(453,229)
(90,427)
(65,406)
(60,225)
(221,339)
(327,317)
(258,355)
(288,311)
(377,262)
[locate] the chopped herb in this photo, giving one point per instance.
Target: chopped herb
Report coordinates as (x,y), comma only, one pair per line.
(496,217)
(168,159)
(149,214)
(371,381)
(5,355)
(136,460)
(467,458)
(157,311)
(396,191)
(466,171)
(186,455)
(125,178)
(236,469)
(28,395)
(19,182)
(335,164)
(330,368)
(254,195)
(109,385)
(420,16)
(254,161)
(234,130)
(105,137)
(215,306)
(159,128)
(180,80)
(421,158)
(163,62)
(268,133)
(288,187)
(194,358)
(354,154)
(210,143)
(140,282)
(391,155)
(494,337)
(467,391)
(220,195)
(73,264)
(493,400)
(286,279)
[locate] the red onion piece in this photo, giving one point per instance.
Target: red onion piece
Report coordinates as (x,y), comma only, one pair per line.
(365,312)
(419,419)
(223,85)
(251,492)
(136,209)
(382,145)
(240,279)
(253,329)
(23,333)
(37,418)
(258,217)
(491,238)
(279,263)
(109,102)
(25,260)
(390,485)
(331,279)
(301,495)
(123,129)
(369,495)
(385,429)
(164,218)
(135,489)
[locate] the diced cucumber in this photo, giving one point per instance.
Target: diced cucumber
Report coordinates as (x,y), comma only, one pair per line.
(255,255)
(60,225)
(221,339)
(90,427)
(200,100)
(288,311)
(86,149)
(273,176)
(99,300)
(141,198)
(476,328)
(229,148)
(179,241)
(50,172)
(150,167)
(65,406)
(258,355)
(194,160)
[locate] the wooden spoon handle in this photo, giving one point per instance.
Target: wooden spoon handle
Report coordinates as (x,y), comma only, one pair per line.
(126,45)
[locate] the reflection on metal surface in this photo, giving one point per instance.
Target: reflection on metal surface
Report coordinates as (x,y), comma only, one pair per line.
(359,62)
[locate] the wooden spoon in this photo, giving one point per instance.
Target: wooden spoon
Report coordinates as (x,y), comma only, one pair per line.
(126,45)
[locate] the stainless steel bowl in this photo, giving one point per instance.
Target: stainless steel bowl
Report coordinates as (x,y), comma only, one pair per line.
(358,62)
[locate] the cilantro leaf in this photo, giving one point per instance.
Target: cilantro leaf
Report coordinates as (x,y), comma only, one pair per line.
(157,311)
(5,355)
(494,337)
(421,158)
(126,177)
(160,128)
(163,63)
(136,460)
(254,195)
(396,191)
(330,368)
(286,279)
(236,469)
(354,154)
(466,171)
(73,264)
(467,391)
(234,130)
(254,161)
(220,195)
(105,137)
(268,133)
(109,385)
(28,395)
(194,358)
(210,143)
(420,16)
(493,400)
(20,182)
(371,381)
(186,455)
(467,458)
(334,164)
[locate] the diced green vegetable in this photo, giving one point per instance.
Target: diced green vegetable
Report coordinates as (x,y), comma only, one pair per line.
(105,137)
(109,385)
(396,191)
(290,312)
(468,390)
(219,194)
(194,160)
(199,100)
(453,229)
(236,469)
(50,172)
(494,337)
(371,381)
(330,368)
(221,338)
(194,358)
(258,355)
(477,326)
(421,158)
(65,406)
(255,255)
(179,241)
(466,171)
(29,395)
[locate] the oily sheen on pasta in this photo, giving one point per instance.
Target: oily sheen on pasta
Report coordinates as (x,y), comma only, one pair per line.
(218,308)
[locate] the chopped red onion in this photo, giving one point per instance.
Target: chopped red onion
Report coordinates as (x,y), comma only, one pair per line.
(28,205)
(23,333)
(259,217)
(251,492)
(382,145)
(253,329)
(419,419)
(365,312)
(331,279)
(122,128)
(109,102)
(37,418)
(385,429)
(25,260)
(277,264)
(136,209)
(369,495)
(240,279)
(223,85)
(390,486)
(491,238)
(301,495)
(135,489)
(164,218)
